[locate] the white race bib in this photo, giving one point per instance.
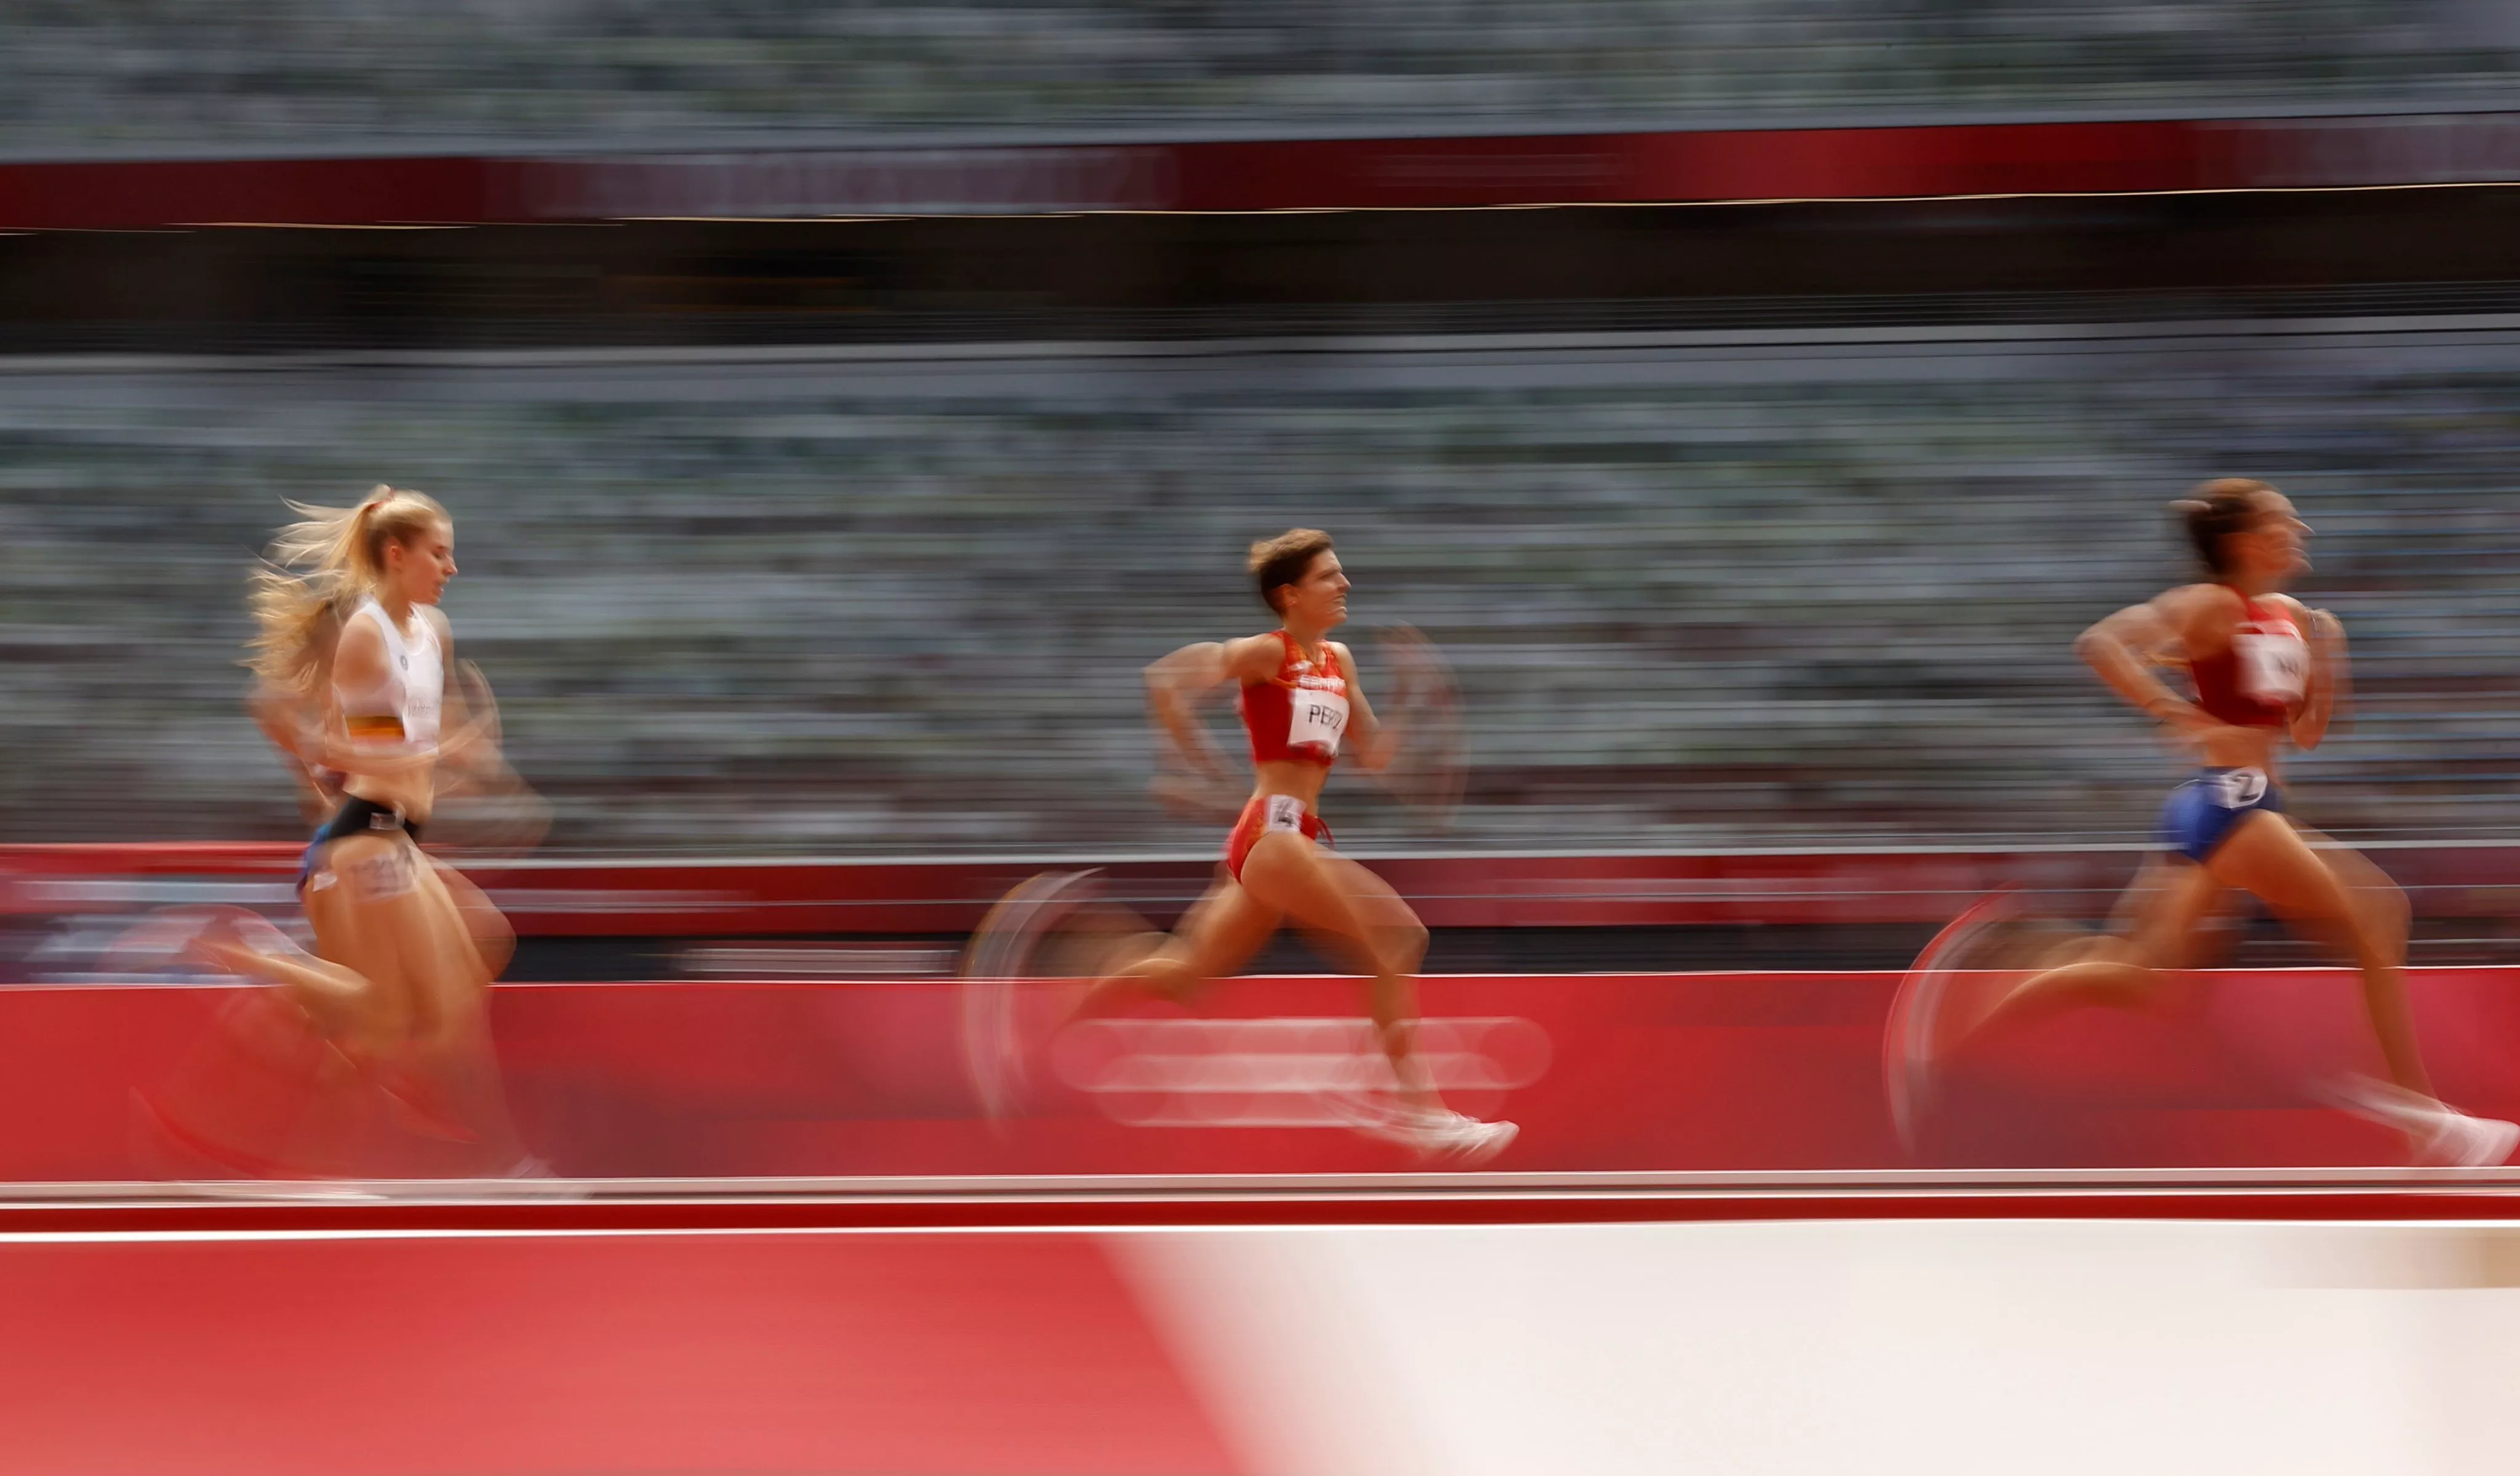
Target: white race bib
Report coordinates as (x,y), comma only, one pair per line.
(1315,719)
(2272,669)
(1282,812)
(2240,788)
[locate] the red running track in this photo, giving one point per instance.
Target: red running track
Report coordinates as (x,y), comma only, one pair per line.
(559,1338)
(680,1353)
(784,1331)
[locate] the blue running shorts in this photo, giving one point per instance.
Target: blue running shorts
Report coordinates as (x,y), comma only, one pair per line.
(2201,812)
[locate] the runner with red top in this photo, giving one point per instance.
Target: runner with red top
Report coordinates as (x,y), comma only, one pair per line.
(1301,703)
(2263,668)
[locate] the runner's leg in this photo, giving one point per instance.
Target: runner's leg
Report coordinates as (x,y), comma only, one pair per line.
(2266,855)
(2169,899)
(1220,933)
(1363,920)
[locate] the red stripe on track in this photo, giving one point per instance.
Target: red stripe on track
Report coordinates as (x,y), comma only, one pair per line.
(2447,1199)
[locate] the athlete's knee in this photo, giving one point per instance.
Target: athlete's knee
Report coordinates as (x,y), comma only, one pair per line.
(1168,971)
(2383,905)
(1404,946)
(494,941)
(2142,950)
(2378,931)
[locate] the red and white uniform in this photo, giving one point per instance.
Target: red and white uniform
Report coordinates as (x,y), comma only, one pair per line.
(2260,679)
(1297,716)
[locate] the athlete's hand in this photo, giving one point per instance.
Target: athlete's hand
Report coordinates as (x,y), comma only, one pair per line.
(2327,635)
(1425,768)
(476,741)
(2212,738)
(1196,796)
(350,760)
(314,800)
(2328,698)
(1419,675)
(2223,745)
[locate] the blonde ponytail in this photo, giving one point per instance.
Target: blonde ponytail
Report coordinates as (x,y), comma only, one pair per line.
(316,568)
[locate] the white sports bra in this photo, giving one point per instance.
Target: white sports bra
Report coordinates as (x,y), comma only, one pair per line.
(398,715)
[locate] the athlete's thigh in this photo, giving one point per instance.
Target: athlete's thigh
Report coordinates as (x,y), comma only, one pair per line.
(1349,912)
(1376,905)
(2166,908)
(2266,857)
(1391,925)
(491,934)
(1289,875)
(450,978)
(1225,928)
(371,915)
(2379,903)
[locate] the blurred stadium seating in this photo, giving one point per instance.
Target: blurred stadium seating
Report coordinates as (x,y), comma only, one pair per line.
(324,75)
(1701,590)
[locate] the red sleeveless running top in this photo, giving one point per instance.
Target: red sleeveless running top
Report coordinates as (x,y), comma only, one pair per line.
(1299,714)
(2259,680)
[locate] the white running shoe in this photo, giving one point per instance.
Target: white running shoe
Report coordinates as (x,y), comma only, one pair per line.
(1908,1054)
(1434,1133)
(2441,1135)
(1447,1136)
(2459,1140)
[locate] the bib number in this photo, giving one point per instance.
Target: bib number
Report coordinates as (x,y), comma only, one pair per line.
(1282,812)
(2274,669)
(1315,719)
(386,874)
(2240,788)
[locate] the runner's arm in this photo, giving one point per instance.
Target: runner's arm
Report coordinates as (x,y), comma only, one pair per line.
(466,740)
(1176,684)
(294,721)
(1372,745)
(2125,648)
(2331,680)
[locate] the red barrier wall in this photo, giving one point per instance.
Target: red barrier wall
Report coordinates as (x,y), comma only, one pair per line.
(1605,1072)
(633,897)
(1746,165)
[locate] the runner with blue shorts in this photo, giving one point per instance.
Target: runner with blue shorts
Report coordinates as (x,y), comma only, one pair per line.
(2263,669)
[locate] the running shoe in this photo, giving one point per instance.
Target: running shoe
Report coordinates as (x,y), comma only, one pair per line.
(2441,1135)
(1459,1140)
(1436,1135)
(2458,1140)
(1909,1045)
(1000,957)
(1463,1139)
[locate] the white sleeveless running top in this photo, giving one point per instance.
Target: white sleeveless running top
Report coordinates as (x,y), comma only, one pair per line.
(398,715)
